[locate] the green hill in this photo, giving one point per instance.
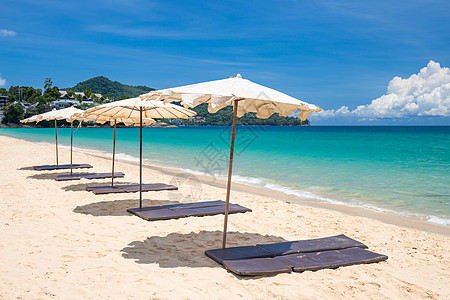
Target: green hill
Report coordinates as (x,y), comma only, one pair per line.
(114,89)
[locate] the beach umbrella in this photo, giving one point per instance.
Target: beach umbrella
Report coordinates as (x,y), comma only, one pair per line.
(55,115)
(97,116)
(36,119)
(137,109)
(245,96)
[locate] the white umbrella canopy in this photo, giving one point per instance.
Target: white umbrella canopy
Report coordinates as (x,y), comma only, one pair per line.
(245,96)
(136,109)
(97,115)
(31,119)
(131,109)
(112,121)
(60,114)
(253,97)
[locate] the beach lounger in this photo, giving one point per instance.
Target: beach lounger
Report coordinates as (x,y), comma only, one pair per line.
(257,266)
(156,213)
(298,256)
(284,248)
(329,243)
(237,253)
(212,210)
(331,259)
(311,261)
(61,167)
(133,188)
(195,204)
(89,176)
(183,210)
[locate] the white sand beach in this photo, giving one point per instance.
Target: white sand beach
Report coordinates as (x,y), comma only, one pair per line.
(60,242)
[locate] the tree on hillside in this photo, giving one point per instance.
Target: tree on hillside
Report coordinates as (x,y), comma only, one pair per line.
(96,99)
(13,113)
(31,95)
(87,91)
(51,94)
(13,94)
(70,93)
(79,98)
(48,83)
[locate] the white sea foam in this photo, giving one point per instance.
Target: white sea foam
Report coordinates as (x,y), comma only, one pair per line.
(247,180)
(126,157)
(195,172)
(439,221)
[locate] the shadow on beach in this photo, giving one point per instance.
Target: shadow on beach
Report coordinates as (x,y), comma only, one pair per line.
(116,207)
(47,176)
(26,169)
(188,250)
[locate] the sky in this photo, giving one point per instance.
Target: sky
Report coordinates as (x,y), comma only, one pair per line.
(363,62)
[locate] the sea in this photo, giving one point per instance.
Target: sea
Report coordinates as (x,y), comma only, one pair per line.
(400,170)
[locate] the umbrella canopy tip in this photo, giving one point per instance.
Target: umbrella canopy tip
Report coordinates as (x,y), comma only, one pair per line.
(237,76)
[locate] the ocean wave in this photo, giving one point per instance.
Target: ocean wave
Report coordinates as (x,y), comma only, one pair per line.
(439,221)
(126,157)
(247,180)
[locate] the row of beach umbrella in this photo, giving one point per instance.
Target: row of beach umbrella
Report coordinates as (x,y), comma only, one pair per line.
(242,94)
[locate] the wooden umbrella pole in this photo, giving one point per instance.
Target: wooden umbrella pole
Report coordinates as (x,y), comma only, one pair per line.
(230,169)
(56,136)
(140,161)
(71,144)
(114,154)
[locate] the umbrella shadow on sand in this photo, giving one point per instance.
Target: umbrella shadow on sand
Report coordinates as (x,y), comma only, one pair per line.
(26,169)
(188,250)
(47,176)
(116,207)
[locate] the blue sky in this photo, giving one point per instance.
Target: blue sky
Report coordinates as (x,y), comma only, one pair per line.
(329,53)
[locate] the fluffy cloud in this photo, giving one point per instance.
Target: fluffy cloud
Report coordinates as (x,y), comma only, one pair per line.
(6,32)
(2,81)
(424,94)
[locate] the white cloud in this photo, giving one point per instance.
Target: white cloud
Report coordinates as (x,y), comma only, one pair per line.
(2,81)
(6,32)
(424,94)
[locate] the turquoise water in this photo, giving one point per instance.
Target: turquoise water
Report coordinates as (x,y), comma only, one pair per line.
(400,169)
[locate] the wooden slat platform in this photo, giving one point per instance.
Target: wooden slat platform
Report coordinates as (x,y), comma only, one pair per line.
(89,176)
(130,188)
(298,256)
(183,210)
(61,167)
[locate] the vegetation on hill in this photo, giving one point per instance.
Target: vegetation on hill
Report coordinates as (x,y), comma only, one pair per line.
(114,89)
(24,102)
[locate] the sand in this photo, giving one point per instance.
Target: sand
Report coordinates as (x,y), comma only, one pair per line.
(59,241)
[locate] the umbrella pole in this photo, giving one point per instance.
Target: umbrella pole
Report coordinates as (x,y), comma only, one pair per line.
(230,169)
(114,154)
(140,161)
(71,143)
(56,136)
